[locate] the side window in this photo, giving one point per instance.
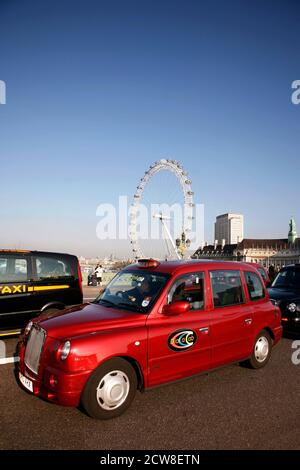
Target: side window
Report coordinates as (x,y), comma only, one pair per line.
(189,288)
(254,285)
(13,269)
(48,267)
(227,288)
(3,268)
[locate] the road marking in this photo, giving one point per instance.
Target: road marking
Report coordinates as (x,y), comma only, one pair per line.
(9,360)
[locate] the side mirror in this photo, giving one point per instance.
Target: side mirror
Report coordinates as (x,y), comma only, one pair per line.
(176,308)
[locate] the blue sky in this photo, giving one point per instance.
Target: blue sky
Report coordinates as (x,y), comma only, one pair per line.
(97,91)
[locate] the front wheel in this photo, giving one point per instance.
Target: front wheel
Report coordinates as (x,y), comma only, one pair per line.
(261,351)
(110,389)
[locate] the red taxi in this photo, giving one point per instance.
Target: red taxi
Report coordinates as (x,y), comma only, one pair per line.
(263,272)
(154,323)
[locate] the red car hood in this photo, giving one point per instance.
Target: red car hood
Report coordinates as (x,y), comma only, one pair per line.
(87,318)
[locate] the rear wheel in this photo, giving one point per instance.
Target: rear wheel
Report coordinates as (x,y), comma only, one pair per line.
(261,351)
(110,389)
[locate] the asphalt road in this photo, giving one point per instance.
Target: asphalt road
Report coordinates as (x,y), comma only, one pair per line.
(232,408)
(90,293)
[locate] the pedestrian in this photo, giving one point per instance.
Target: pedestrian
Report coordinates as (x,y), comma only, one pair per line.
(272,273)
(99,274)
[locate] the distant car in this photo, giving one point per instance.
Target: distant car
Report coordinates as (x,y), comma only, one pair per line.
(262,271)
(154,323)
(285,290)
(33,282)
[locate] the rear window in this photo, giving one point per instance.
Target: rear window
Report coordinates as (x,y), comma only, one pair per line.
(255,288)
(227,288)
(48,267)
(13,269)
(262,272)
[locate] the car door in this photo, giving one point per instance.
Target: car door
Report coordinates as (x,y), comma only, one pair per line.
(232,318)
(262,311)
(54,279)
(179,345)
(15,288)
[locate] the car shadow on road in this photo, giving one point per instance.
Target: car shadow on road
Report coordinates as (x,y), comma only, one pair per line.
(291,335)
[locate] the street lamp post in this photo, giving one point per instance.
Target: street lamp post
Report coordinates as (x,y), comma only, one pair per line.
(182,245)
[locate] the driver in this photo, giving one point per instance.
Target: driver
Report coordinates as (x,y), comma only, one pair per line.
(141,293)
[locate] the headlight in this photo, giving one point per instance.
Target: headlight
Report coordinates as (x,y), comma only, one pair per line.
(28,328)
(292,307)
(64,351)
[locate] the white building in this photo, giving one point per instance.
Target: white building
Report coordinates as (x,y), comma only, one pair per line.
(229,229)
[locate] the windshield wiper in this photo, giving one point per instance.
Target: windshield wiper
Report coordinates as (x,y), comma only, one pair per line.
(286,286)
(131,307)
(108,303)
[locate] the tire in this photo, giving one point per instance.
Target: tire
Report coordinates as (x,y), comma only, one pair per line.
(51,310)
(110,389)
(261,351)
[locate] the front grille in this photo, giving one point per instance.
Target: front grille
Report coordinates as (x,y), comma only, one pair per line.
(34,348)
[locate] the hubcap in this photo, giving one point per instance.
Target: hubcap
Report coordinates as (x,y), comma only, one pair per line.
(261,349)
(113,390)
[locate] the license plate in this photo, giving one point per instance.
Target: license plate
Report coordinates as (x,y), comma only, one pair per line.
(26,382)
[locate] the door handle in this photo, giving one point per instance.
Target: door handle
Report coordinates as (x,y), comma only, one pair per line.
(248,321)
(204,330)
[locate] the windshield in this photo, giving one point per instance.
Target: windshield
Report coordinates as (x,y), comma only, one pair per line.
(289,278)
(133,290)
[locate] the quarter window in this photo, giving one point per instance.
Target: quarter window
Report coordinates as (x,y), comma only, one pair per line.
(48,267)
(227,288)
(188,288)
(255,288)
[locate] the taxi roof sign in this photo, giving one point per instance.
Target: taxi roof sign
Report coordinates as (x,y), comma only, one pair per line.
(148,263)
(14,251)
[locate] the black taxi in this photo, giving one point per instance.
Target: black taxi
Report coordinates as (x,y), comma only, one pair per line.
(285,291)
(33,282)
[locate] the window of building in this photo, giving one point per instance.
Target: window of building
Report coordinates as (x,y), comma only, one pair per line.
(189,288)
(227,288)
(255,288)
